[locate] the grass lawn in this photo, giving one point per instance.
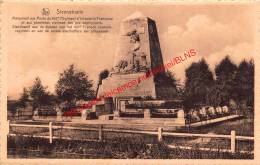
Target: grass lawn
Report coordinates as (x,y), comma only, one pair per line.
(117,148)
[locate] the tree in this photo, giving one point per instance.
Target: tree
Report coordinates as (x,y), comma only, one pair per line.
(39,93)
(24,97)
(252,82)
(224,86)
(177,87)
(244,80)
(199,79)
(102,75)
(171,77)
(74,85)
(214,95)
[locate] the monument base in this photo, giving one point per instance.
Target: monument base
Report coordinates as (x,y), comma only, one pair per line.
(145,88)
(152,121)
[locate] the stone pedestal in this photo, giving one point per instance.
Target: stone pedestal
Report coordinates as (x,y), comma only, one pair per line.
(147,114)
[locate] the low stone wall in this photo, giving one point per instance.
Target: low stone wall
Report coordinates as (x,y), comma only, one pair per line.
(57,118)
(178,121)
(156,121)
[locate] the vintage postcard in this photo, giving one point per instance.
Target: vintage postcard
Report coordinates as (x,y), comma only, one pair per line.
(129,83)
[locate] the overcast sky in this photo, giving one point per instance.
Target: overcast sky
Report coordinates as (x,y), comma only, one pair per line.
(213,31)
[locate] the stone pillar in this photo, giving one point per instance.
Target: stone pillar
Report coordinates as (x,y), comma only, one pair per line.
(108,105)
(180,117)
(122,106)
(116,109)
(131,101)
(36,114)
(116,114)
(93,109)
(83,114)
(28,110)
(59,113)
(180,114)
(147,114)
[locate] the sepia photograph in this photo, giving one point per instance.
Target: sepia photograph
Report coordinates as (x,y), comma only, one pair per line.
(117,81)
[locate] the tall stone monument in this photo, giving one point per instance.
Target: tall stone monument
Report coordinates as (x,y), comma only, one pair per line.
(138,50)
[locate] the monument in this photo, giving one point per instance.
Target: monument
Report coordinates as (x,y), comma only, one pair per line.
(138,50)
